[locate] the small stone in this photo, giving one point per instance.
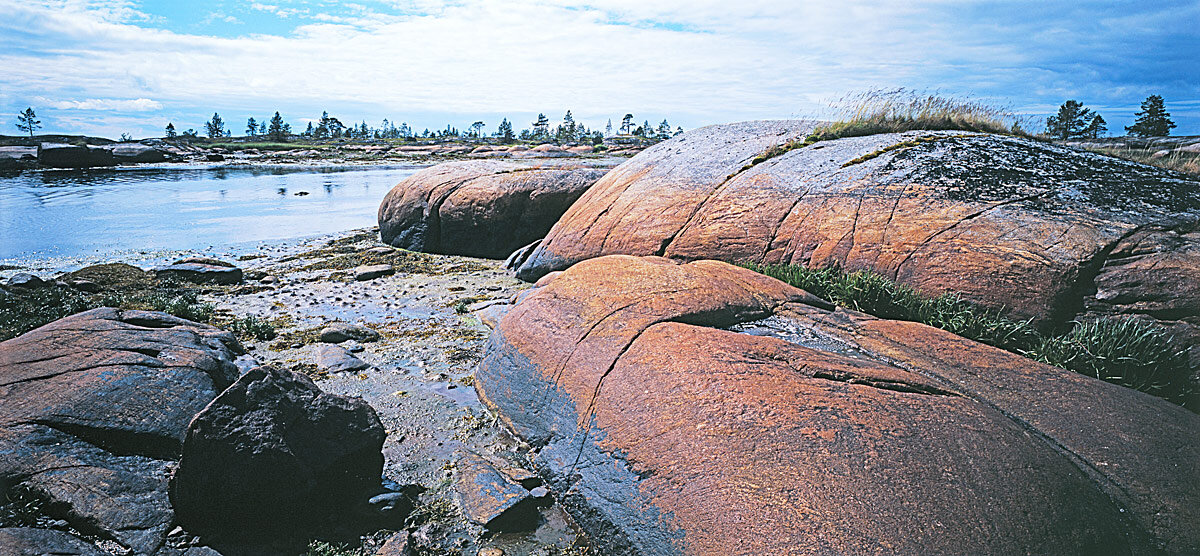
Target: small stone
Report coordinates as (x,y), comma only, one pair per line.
(339,332)
(380,250)
(491,499)
(539,492)
(269,279)
(371,272)
(336,359)
(491,551)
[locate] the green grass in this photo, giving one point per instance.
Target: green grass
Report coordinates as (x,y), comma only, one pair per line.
(252,327)
(1122,351)
(1179,161)
(1125,351)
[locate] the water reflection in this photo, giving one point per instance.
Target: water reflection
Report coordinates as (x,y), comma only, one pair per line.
(76,212)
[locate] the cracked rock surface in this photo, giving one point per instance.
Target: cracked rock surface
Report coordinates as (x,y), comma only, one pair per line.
(1048,232)
(95,407)
(701,408)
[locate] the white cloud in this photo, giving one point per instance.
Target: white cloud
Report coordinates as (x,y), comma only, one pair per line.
(693,61)
(122,105)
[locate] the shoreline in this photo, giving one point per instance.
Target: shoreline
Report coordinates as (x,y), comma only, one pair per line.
(420,375)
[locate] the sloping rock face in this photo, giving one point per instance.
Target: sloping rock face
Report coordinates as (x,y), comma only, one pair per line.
(273,454)
(93,408)
(480,208)
(701,408)
(1045,231)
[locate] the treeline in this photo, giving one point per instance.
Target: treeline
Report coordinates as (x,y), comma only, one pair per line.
(1074,121)
(329,127)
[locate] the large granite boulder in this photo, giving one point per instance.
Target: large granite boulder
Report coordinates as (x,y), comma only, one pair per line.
(701,408)
(274,455)
(479,208)
(62,155)
(93,408)
(1045,231)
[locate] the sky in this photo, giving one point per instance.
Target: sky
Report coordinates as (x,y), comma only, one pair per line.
(107,67)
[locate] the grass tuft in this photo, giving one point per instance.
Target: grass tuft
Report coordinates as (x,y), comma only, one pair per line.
(899,110)
(1122,351)
(251,327)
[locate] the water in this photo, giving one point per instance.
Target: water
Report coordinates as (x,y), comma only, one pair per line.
(71,213)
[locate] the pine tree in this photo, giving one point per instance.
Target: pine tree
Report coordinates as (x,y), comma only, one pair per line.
(1070,122)
(627,123)
(541,128)
(608,128)
(251,127)
(505,131)
(276,131)
(27,121)
(664,129)
(568,128)
(477,128)
(1153,120)
(215,127)
(170,130)
(1096,128)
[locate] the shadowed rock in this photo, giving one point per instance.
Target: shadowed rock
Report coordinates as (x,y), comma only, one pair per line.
(479,208)
(25,541)
(61,155)
(201,270)
(1050,233)
(93,408)
(702,408)
(272,455)
(491,498)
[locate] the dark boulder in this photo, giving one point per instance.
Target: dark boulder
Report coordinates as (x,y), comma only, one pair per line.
(133,153)
(276,455)
(702,408)
(186,270)
(27,281)
(93,408)
(479,208)
(60,155)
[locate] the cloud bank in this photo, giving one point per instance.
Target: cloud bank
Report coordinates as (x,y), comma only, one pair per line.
(695,62)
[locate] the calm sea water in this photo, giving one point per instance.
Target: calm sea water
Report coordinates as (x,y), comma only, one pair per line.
(67,213)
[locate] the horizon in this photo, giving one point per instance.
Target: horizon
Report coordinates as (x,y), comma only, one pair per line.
(107,67)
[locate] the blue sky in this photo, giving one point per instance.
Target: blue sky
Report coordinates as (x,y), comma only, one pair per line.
(106,67)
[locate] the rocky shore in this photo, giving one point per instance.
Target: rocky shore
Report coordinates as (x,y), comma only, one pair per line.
(404,342)
(648,388)
(156,151)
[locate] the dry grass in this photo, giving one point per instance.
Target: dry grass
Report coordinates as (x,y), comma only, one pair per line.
(897,111)
(1179,161)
